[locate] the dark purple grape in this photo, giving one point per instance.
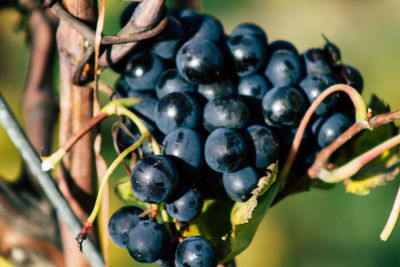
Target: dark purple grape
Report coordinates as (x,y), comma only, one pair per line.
(186,146)
(264,146)
(225,111)
(281,45)
(166,44)
(195,251)
(143,70)
(286,137)
(225,150)
(121,222)
(199,61)
(239,184)
(185,205)
(145,108)
(254,86)
(207,28)
(177,110)
(128,134)
(123,89)
(180,13)
(284,68)
(154,179)
(247,53)
(313,85)
(170,81)
(148,242)
(283,107)
(315,61)
(252,29)
(222,87)
(331,128)
(350,76)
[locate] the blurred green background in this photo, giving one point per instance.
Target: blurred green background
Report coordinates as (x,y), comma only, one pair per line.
(317,228)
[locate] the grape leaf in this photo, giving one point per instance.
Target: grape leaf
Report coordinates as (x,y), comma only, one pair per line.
(380,170)
(245,217)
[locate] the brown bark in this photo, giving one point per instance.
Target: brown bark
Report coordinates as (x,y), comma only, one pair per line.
(76,104)
(39,106)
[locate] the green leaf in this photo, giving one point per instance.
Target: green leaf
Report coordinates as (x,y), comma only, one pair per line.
(380,170)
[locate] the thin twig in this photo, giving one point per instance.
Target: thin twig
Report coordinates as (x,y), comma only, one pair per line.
(126,38)
(361,118)
(321,161)
(47,183)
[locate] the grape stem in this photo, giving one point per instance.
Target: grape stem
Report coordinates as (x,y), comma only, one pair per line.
(394,214)
(145,135)
(361,119)
(115,107)
(321,161)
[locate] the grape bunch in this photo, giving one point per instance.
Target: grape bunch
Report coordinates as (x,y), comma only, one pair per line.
(224,107)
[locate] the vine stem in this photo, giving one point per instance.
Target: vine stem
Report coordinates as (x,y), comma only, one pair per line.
(145,134)
(45,180)
(394,214)
(349,169)
(361,118)
(113,108)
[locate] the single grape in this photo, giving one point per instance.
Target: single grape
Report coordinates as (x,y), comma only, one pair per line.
(166,44)
(281,45)
(331,127)
(284,68)
(239,184)
(206,28)
(264,146)
(185,205)
(199,61)
(143,70)
(177,110)
(225,150)
(222,87)
(250,29)
(123,89)
(186,146)
(315,61)
(195,251)
(225,111)
(154,179)
(247,53)
(128,134)
(254,86)
(351,76)
(313,85)
(283,107)
(121,222)
(145,108)
(148,241)
(170,81)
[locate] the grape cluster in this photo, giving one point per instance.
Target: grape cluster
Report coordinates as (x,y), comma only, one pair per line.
(224,107)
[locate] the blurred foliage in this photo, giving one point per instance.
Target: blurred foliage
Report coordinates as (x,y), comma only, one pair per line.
(317,228)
